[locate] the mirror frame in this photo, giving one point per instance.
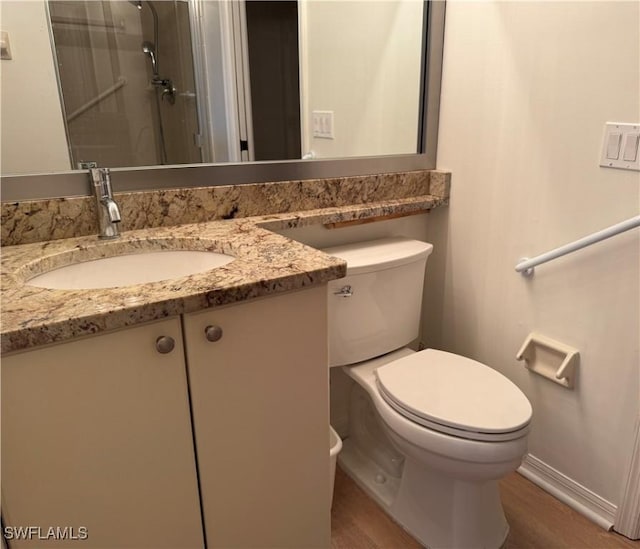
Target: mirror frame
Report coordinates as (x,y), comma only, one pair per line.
(75,182)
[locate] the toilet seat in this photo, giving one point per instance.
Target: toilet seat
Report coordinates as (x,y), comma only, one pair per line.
(454,395)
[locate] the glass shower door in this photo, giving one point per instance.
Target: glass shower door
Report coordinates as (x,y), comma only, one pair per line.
(127,82)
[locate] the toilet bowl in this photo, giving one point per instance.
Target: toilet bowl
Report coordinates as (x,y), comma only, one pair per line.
(430,432)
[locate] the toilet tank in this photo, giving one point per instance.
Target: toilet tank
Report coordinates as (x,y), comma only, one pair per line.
(376,308)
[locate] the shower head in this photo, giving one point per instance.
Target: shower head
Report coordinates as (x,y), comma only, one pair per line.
(149,49)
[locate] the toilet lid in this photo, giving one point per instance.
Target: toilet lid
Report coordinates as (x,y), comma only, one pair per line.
(455,395)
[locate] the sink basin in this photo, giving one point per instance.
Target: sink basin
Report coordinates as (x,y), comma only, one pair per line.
(129,269)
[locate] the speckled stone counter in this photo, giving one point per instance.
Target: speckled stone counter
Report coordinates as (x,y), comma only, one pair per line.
(265,263)
(39,220)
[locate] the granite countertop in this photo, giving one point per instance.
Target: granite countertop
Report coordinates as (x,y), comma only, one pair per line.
(265,263)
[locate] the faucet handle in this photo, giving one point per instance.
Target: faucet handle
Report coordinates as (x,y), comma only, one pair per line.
(101,180)
(108,211)
(99,174)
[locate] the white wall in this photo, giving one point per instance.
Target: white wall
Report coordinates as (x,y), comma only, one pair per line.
(527,88)
(30,105)
(361,60)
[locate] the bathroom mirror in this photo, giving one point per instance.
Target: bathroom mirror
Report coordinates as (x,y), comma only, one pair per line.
(167,82)
(378,113)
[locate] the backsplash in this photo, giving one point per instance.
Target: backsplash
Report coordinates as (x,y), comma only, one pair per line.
(40,220)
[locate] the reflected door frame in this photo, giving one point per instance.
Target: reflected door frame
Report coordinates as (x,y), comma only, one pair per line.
(242,78)
(219,34)
(303,52)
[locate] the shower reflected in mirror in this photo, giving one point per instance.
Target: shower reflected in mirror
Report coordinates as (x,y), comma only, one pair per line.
(125,111)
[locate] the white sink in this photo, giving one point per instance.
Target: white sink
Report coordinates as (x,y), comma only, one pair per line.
(126,270)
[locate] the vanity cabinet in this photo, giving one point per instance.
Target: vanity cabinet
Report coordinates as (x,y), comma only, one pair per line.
(99,432)
(96,433)
(259,396)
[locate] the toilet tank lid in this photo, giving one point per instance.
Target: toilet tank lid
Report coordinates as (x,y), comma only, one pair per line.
(385,253)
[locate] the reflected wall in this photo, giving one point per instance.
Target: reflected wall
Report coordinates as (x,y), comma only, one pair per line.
(33,132)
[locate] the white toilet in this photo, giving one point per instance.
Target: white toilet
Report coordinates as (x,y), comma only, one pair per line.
(430,432)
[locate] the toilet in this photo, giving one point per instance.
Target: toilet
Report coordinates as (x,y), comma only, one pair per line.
(430,433)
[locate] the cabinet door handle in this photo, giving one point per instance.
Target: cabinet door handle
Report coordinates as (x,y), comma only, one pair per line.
(165,344)
(213,333)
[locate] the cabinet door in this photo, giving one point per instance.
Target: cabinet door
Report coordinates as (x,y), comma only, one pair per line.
(96,434)
(260,409)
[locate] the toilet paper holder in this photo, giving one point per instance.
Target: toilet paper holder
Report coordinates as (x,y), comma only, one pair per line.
(550,358)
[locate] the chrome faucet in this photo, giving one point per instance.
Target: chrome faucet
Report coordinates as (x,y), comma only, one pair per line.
(108,211)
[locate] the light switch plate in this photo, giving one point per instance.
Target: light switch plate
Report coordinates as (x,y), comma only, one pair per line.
(322,122)
(620,146)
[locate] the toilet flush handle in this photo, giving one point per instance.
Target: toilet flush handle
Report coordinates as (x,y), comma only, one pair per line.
(345,291)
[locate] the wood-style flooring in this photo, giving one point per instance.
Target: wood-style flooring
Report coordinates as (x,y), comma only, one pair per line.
(537,521)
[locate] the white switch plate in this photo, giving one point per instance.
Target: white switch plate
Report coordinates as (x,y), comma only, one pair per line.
(620,146)
(322,123)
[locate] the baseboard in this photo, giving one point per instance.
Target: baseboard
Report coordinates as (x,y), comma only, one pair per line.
(568,491)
